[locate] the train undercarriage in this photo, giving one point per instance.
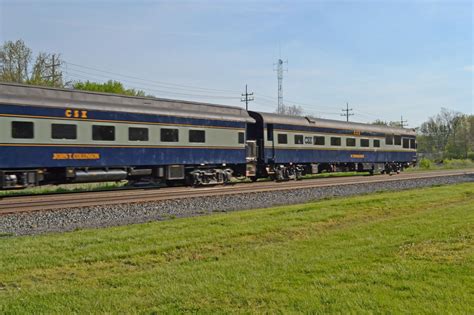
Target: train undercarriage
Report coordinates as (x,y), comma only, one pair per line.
(195,175)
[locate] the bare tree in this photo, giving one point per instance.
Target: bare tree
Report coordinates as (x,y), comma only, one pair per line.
(291,110)
(47,70)
(380,122)
(40,69)
(14,60)
(15,64)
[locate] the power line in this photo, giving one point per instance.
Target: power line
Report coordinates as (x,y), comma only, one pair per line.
(292,101)
(247,99)
(347,110)
(268,100)
(87,76)
(77,71)
(264,101)
(182,86)
(140,83)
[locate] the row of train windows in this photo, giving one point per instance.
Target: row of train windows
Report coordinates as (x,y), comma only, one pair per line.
(321,140)
(337,141)
(25,130)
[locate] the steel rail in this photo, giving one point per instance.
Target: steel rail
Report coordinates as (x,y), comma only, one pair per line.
(77,200)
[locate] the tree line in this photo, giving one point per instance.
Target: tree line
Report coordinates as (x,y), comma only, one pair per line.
(446,135)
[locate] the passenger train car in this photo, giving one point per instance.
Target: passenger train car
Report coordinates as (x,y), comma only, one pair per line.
(54,136)
(294,145)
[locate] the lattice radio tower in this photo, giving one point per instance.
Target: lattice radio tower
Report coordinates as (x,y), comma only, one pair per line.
(279,69)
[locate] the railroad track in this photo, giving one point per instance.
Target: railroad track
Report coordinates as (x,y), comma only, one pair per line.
(51,202)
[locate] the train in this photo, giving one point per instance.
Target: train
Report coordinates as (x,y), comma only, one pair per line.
(60,136)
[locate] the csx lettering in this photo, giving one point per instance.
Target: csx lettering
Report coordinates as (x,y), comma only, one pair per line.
(75,113)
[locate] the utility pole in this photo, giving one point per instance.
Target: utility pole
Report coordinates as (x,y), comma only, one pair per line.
(246,98)
(347,110)
(403,123)
(279,71)
(54,64)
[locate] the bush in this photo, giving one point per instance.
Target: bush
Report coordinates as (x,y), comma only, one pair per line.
(425,163)
(470,155)
(453,163)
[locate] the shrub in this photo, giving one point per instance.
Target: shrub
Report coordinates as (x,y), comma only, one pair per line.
(425,163)
(457,163)
(470,155)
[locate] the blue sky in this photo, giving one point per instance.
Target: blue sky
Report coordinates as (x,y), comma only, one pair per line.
(386,58)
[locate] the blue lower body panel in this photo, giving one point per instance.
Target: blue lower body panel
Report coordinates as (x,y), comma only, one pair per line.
(54,156)
(335,156)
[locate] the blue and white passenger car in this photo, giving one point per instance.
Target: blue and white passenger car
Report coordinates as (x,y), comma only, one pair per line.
(52,135)
(311,145)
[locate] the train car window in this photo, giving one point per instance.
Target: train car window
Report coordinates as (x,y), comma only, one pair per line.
(270,132)
(389,140)
(412,144)
(137,134)
(282,138)
(319,140)
(364,143)
(241,137)
(350,142)
(22,130)
(398,140)
(299,139)
(63,131)
(335,141)
(103,133)
(169,135)
(197,136)
(376,143)
(406,143)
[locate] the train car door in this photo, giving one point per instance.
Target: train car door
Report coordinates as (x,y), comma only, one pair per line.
(271,139)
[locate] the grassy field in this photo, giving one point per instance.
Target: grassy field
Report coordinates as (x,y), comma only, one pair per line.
(455,164)
(403,252)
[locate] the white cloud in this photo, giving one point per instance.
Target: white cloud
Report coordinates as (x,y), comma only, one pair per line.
(469,68)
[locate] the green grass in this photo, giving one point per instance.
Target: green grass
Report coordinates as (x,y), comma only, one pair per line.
(454,164)
(403,252)
(66,188)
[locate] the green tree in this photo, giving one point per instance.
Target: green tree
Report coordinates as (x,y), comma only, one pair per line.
(107,87)
(449,134)
(380,122)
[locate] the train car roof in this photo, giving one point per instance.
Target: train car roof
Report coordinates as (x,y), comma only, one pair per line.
(272,118)
(20,94)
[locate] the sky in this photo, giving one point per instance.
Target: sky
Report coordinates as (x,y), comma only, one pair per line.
(386,59)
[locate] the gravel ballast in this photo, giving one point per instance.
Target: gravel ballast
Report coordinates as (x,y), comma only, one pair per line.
(62,220)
